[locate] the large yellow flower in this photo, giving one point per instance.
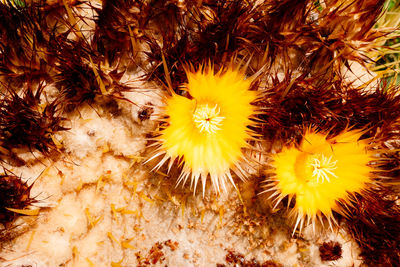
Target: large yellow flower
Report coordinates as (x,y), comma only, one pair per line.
(208,131)
(320,173)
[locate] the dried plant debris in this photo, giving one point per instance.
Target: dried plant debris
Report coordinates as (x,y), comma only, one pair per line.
(330,251)
(26,122)
(145,112)
(156,253)
(374,222)
(233,258)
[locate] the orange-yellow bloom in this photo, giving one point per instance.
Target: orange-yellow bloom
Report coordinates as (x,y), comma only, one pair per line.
(208,132)
(320,173)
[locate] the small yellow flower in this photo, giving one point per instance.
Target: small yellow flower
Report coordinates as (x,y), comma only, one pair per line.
(320,173)
(208,132)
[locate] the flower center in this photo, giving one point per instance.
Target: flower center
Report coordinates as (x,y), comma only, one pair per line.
(323,168)
(207,119)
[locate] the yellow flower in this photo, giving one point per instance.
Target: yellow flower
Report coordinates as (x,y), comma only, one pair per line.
(208,131)
(320,173)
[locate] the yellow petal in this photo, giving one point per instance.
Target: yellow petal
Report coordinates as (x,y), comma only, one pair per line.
(210,130)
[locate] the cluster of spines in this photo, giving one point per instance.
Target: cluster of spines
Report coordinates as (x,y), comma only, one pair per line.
(374,223)
(39,44)
(280,33)
(28,122)
(14,195)
(38,47)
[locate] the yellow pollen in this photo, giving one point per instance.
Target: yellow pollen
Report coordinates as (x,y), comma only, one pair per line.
(207,119)
(323,167)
